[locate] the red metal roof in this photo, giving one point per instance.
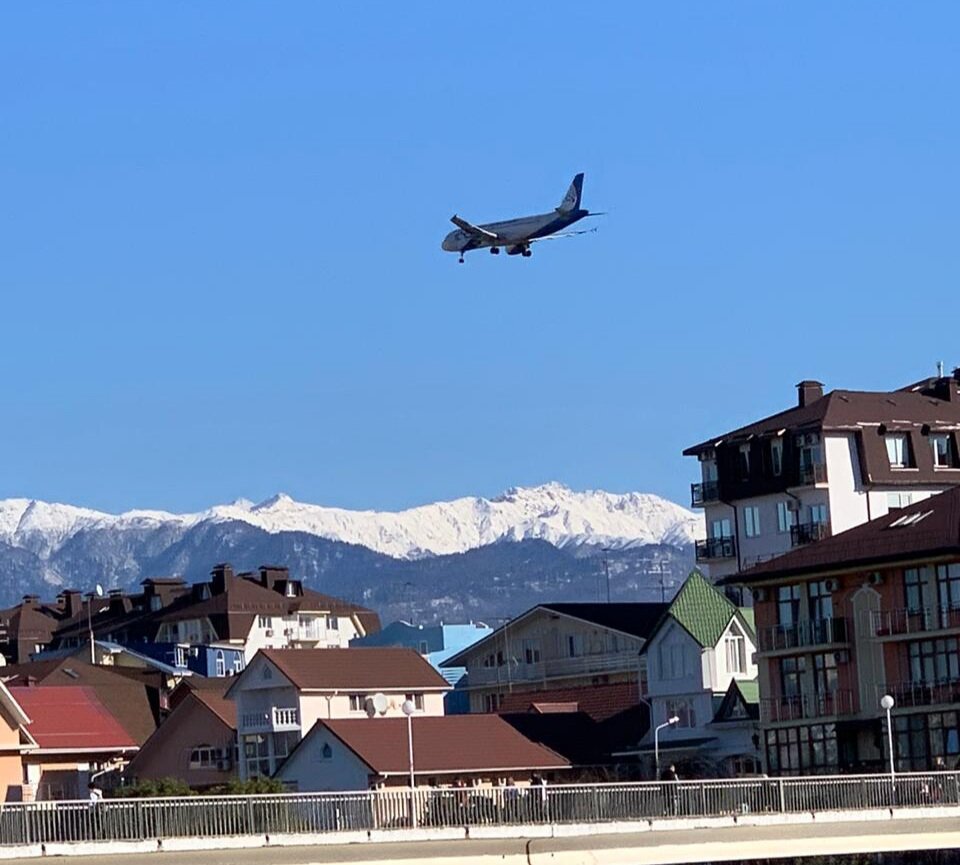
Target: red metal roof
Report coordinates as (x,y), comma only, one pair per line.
(71,718)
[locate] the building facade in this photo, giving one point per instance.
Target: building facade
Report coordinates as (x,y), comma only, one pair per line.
(870,612)
(834,461)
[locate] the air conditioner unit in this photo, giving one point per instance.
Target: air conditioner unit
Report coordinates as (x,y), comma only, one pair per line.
(194,652)
(793,506)
(831,585)
(760,594)
(269,632)
(798,440)
(876,578)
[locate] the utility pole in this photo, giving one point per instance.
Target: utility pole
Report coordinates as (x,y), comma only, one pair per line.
(606,570)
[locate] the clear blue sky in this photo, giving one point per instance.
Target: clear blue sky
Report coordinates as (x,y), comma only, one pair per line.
(221,276)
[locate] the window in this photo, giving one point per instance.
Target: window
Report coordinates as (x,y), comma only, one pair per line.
(416,699)
(788,605)
(672,661)
(180,656)
(357,702)
(155,603)
(333,623)
(898,500)
(574,645)
(923,737)
(786,518)
(776,456)
(948,588)
(751,521)
(237,664)
(743,461)
(264,621)
(898,450)
(792,672)
(267,673)
(424,647)
(934,661)
(793,750)
(825,679)
(734,647)
(221,664)
(818,515)
(531,651)
(326,752)
(913,580)
(820,600)
(944,449)
(492,702)
(256,755)
(682,709)
(708,469)
(204,757)
(720,529)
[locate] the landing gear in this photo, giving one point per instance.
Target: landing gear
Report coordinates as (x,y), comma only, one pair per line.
(494,250)
(461,258)
(526,253)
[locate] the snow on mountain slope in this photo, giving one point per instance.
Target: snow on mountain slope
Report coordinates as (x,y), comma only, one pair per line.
(551,512)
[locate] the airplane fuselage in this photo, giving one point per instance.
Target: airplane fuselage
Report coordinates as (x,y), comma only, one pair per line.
(513,234)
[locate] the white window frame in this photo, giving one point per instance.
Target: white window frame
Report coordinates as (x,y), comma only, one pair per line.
(898,450)
(736,652)
(751,521)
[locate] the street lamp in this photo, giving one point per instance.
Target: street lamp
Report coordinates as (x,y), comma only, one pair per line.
(656,741)
(90,596)
(408,708)
(887,703)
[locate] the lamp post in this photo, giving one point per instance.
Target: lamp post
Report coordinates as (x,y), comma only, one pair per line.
(887,703)
(409,707)
(656,741)
(90,596)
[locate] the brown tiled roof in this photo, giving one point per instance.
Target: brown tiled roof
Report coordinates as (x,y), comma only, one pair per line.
(72,717)
(599,702)
(885,540)
(124,698)
(358,669)
(445,744)
(846,410)
(225,710)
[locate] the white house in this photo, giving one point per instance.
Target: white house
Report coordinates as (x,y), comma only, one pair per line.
(701,645)
(282,693)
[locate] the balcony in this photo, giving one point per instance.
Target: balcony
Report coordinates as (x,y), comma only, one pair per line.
(704,494)
(906,623)
(811,474)
(808,533)
(275,720)
(716,548)
(910,694)
(804,707)
(552,668)
(812,632)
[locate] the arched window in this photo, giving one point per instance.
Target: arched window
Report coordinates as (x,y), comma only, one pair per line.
(326,752)
(221,664)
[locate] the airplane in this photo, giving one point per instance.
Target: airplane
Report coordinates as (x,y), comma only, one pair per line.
(516,235)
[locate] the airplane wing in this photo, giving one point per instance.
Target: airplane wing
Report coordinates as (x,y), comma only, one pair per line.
(472,229)
(564,234)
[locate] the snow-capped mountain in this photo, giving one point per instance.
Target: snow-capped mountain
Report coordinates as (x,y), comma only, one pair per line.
(551,513)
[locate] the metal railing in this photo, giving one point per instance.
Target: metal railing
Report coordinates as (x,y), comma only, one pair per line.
(808,533)
(580,665)
(701,494)
(312,813)
(809,632)
(920,620)
(716,548)
(812,473)
(808,706)
(907,694)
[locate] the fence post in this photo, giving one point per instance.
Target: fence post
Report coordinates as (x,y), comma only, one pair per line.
(781,795)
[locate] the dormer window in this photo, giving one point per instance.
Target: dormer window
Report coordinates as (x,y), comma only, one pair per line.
(898,450)
(944,448)
(776,456)
(743,461)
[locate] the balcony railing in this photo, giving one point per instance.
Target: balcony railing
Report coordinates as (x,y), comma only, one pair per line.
(716,548)
(812,632)
(908,694)
(888,623)
(807,533)
(808,706)
(275,720)
(812,473)
(550,668)
(702,494)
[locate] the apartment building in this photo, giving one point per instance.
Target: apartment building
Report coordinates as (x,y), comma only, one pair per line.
(557,646)
(832,462)
(869,612)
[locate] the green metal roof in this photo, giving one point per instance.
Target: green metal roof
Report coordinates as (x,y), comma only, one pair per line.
(702,610)
(749,690)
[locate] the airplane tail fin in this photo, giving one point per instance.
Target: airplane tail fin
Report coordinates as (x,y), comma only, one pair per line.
(571,201)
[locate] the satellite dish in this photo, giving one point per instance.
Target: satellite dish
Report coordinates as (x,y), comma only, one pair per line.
(369,708)
(380,703)
(408,707)
(99,590)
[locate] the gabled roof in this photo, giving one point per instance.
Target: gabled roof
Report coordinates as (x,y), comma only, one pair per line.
(599,702)
(71,718)
(359,669)
(846,410)
(703,611)
(633,619)
(741,692)
(442,745)
(927,528)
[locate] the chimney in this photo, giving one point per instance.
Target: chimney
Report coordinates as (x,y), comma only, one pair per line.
(221,578)
(71,602)
(270,575)
(31,602)
(808,391)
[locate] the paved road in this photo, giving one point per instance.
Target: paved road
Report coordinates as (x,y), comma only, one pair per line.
(644,848)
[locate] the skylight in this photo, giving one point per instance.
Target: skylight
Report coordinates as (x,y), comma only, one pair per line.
(909,520)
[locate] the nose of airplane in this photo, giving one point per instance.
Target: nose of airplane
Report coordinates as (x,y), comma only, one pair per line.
(450,242)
